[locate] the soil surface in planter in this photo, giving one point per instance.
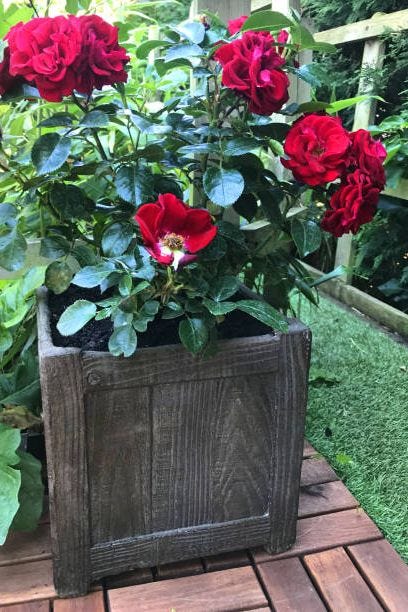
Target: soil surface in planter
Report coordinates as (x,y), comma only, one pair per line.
(95,335)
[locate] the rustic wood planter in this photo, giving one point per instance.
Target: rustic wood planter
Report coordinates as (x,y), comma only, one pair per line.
(164,457)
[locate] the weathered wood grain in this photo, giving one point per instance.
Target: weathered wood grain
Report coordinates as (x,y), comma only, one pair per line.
(385,572)
(22,546)
(327,531)
(316,471)
(177,545)
(65,435)
(324,498)
(37,606)
(210,441)
(339,582)
(138,576)
(287,444)
(90,603)
(235,589)
(31,582)
(289,587)
(118,426)
(172,364)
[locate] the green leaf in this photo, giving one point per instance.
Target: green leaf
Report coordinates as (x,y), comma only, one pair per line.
(339,271)
(265,313)
(92,276)
(116,239)
(199,149)
(6,340)
(310,107)
(10,478)
(54,247)
(183,51)
(146,47)
(172,311)
(307,236)
(223,186)
(223,288)
(134,184)
(95,119)
(8,213)
(75,317)
(335,107)
(267,20)
(219,309)
(146,126)
(58,276)
(246,206)
(13,247)
(240,146)
(191,30)
(50,152)
(57,120)
(30,495)
(193,334)
(123,341)
(70,201)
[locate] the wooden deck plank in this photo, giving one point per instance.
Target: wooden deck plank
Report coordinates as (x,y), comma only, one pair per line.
(138,576)
(29,582)
(180,569)
(90,603)
(385,571)
(21,547)
(34,606)
(327,531)
(234,589)
(226,561)
(289,587)
(326,497)
(308,450)
(340,583)
(316,471)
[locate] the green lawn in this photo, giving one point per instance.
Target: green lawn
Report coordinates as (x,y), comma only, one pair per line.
(360,423)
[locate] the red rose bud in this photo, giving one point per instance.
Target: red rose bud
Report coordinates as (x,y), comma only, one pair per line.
(251,67)
(317,149)
(368,155)
(352,205)
(235,25)
(43,51)
(62,54)
(101,61)
(171,230)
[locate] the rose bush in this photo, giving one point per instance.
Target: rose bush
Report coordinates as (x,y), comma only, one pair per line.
(164,198)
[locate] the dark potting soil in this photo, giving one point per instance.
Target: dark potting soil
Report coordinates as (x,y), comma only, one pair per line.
(95,335)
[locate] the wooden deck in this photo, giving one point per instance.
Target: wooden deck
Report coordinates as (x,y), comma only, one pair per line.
(340,562)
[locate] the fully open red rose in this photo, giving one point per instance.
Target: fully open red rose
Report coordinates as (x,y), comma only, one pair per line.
(352,205)
(43,51)
(171,230)
(251,67)
(235,25)
(368,155)
(101,61)
(317,148)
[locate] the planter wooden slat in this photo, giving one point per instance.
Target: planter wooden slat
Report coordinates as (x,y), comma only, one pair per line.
(166,457)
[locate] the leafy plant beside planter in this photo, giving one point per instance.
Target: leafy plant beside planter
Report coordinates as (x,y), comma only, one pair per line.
(162,214)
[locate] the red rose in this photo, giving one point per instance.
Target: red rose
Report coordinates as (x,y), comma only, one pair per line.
(368,155)
(43,51)
(235,25)
(171,229)
(251,67)
(317,147)
(352,205)
(7,81)
(101,61)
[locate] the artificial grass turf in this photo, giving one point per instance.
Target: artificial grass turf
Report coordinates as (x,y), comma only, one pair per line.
(360,423)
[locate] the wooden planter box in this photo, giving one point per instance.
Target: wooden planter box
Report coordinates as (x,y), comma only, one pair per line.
(164,457)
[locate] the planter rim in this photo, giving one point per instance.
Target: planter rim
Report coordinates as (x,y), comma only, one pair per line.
(48,348)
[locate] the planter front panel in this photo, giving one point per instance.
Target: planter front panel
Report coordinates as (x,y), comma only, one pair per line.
(181,455)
